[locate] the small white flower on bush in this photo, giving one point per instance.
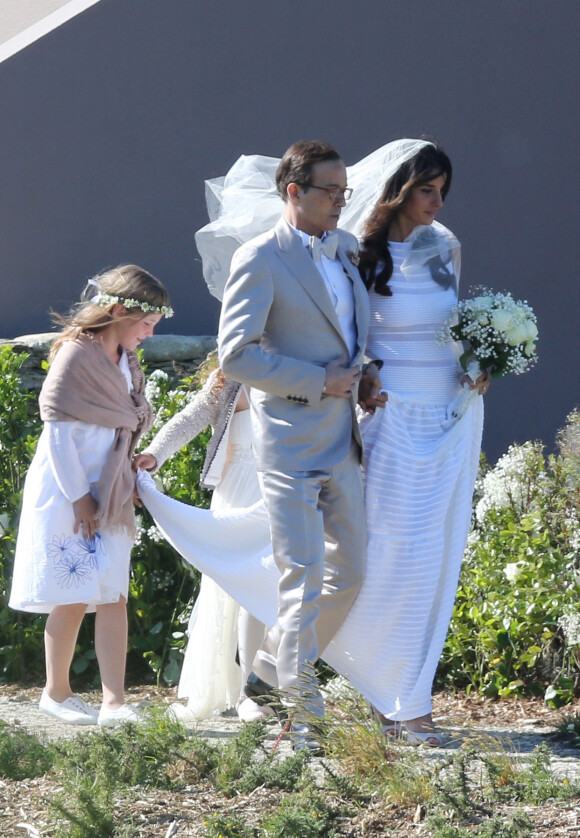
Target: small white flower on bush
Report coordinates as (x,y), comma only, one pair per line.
(4,522)
(154,534)
(152,387)
(511,480)
(573,527)
(513,571)
(141,531)
(569,622)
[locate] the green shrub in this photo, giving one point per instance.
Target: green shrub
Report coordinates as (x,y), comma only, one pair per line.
(21,635)
(237,757)
(228,825)
(468,785)
(516,623)
(303,815)
(132,754)
(22,754)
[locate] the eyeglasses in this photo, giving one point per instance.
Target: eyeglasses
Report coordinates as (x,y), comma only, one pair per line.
(335,193)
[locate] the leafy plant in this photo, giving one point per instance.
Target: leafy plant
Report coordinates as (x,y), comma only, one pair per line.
(228,825)
(516,624)
(20,634)
(22,754)
(304,815)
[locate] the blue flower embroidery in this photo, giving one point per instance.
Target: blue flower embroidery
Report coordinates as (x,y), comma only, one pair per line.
(72,571)
(61,547)
(90,548)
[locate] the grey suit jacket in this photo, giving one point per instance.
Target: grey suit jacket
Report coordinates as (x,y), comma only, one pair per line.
(278,331)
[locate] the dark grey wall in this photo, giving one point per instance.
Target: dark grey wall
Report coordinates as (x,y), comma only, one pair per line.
(110,125)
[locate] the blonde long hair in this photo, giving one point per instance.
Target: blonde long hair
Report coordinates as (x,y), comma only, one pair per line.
(210,368)
(126,282)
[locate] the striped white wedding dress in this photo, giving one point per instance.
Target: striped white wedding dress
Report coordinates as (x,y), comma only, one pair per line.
(419,485)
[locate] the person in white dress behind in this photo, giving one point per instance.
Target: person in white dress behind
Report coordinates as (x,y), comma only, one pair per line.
(219,630)
(77,524)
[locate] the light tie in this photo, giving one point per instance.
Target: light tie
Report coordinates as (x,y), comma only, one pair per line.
(326,246)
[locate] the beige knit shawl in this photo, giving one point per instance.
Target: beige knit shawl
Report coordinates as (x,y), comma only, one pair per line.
(84,385)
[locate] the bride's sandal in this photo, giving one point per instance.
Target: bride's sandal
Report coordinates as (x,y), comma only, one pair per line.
(431,738)
(388,727)
(391,729)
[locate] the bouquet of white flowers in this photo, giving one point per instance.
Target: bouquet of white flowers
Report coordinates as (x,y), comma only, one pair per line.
(501,334)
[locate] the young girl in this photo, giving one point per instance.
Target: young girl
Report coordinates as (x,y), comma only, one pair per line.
(77,524)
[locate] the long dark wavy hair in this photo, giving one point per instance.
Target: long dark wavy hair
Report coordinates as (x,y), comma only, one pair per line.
(430,162)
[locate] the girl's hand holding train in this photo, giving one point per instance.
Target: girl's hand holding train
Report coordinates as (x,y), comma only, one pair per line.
(147,462)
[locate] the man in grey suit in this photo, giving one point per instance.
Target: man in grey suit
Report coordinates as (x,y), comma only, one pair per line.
(293,327)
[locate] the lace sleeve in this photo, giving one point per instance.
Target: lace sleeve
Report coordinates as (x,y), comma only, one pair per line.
(200,412)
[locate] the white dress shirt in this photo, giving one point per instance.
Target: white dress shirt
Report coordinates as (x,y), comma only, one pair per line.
(340,291)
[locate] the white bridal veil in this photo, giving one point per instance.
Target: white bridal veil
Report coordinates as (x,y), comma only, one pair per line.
(245,203)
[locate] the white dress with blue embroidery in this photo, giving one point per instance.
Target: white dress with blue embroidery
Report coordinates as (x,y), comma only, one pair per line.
(54,565)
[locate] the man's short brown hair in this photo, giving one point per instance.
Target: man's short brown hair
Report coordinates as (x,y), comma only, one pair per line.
(296,164)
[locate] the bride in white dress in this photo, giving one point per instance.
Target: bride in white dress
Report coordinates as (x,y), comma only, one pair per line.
(420,468)
(420,465)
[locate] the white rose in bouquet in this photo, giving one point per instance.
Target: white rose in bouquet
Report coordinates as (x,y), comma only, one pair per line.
(517,334)
(501,320)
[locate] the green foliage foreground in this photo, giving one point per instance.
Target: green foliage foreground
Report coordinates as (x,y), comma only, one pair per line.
(516,624)
(361,787)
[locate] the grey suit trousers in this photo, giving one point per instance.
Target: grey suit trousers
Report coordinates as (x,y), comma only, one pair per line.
(317,521)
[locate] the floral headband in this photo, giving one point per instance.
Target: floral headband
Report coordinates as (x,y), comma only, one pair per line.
(105,300)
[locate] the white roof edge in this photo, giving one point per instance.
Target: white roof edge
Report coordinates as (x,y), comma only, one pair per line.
(43,27)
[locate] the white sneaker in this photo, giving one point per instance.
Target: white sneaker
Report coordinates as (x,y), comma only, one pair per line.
(249,711)
(124,713)
(182,713)
(71,711)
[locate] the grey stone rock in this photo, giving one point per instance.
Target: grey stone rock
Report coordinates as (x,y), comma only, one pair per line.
(177,347)
(177,355)
(38,344)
